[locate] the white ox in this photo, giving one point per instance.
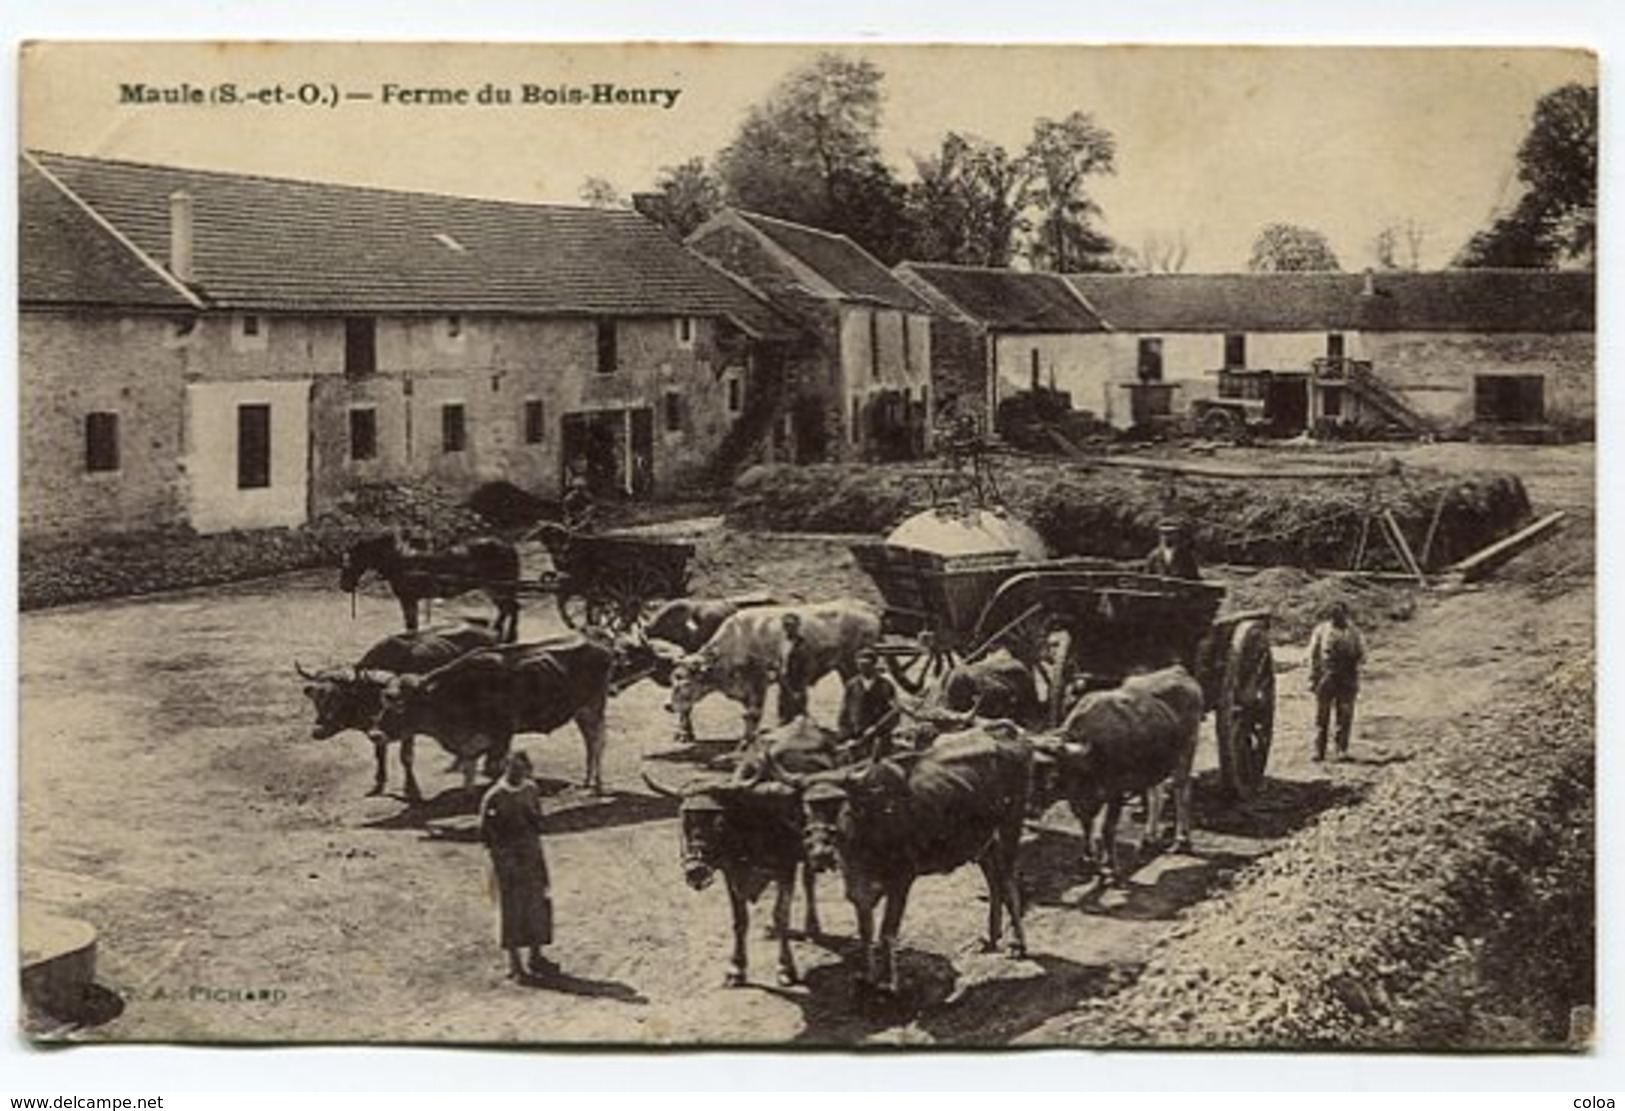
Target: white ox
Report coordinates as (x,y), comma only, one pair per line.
(744,653)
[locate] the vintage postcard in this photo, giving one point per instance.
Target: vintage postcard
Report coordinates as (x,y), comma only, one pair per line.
(820,545)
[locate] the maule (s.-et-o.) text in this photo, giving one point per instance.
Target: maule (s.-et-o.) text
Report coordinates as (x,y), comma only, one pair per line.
(314,94)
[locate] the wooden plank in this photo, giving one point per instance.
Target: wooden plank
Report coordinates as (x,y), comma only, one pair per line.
(1485,560)
(1402,548)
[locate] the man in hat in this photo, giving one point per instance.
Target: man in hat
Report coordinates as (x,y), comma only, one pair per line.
(1172,556)
(1336,652)
(870,701)
(794,671)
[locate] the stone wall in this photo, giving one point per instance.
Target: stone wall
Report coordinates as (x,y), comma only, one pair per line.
(1434,371)
(73,364)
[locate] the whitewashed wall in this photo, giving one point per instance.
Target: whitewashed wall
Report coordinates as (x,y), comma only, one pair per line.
(211,457)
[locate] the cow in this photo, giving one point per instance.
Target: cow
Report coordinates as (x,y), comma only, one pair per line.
(484,564)
(744,654)
(889,821)
(999,686)
(1121,742)
(475,704)
(749,829)
(680,628)
(350,698)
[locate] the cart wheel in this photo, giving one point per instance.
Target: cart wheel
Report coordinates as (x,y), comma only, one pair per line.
(917,667)
(1244,717)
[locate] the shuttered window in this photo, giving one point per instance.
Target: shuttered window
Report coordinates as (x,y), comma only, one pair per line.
(253,447)
(101,441)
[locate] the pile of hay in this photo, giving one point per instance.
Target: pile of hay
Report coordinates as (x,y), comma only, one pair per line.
(1109,512)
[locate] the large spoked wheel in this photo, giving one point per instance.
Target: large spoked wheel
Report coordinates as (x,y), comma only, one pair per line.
(915,667)
(1245,715)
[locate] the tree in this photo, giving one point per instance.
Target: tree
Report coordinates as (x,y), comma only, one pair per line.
(1399,246)
(1555,220)
(810,154)
(1163,252)
(685,196)
(1064,155)
(968,205)
(1291,247)
(598,192)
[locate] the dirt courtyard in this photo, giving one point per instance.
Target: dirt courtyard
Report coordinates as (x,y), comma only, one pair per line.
(246,889)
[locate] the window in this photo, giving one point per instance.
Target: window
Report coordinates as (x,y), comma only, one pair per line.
(908,346)
(736,395)
(857,418)
(685,331)
(101,441)
(253,447)
(454,326)
(1150,367)
(674,411)
(453,429)
(874,343)
(251,326)
(1331,401)
(608,357)
(1509,398)
(1334,345)
(535,423)
(360,346)
(1235,351)
(1037,381)
(363,434)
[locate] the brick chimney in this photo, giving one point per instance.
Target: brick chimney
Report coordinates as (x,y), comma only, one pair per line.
(1369,287)
(180,235)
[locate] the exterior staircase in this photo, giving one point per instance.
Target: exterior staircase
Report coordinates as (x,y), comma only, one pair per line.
(1373,393)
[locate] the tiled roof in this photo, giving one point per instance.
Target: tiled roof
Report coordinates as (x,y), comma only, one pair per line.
(1009,300)
(842,263)
(1441,301)
(65,258)
(278,244)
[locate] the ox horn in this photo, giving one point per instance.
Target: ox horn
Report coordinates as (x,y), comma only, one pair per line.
(303,674)
(663,792)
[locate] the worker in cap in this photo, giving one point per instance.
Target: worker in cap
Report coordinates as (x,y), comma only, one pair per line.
(1173,555)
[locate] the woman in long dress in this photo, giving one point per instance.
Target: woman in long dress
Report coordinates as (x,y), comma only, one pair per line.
(511,828)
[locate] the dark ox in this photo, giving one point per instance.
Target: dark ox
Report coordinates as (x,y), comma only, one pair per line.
(749,829)
(475,704)
(351,698)
(1121,742)
(741,656)
(487,565)
(891,821)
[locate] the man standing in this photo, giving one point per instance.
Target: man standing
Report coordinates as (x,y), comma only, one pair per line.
(1336,652)
(870,702)
(1172,556)
(794,672)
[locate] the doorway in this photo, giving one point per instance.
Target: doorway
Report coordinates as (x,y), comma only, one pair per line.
(1286,404)
(612,448)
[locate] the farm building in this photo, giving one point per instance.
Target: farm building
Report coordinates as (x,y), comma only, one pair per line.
(226,351)
(1493,352)
(998,332)
(1490,351)
(860,387)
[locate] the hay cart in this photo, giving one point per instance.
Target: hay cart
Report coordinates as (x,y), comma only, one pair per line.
(1083,624)
(613,581)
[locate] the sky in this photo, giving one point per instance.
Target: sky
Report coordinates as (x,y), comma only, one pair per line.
(1213,142)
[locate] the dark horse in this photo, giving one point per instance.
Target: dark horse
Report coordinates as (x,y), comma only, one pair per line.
(487,565)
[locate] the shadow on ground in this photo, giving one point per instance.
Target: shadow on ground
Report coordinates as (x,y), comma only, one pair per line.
(452,814)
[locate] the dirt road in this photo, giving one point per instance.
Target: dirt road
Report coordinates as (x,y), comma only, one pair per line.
(246,889)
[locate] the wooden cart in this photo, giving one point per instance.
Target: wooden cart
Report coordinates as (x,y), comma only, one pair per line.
(1083,624)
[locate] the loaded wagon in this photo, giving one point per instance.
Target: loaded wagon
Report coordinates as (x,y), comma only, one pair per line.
(1082,624)
(610,580)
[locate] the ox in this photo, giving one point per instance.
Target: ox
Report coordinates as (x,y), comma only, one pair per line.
(680,628)
(1121,742)
(890,821)
(999,686)
(477,703)
(740,659)
(749,829)
(484,564)
(351,698)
